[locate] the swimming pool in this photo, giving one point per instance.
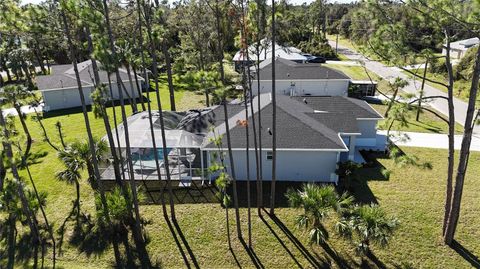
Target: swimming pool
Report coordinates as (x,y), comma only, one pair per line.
(147,158)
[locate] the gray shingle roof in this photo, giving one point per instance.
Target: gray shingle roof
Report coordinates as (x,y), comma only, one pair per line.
(285,69)
(341,104)
(63,76)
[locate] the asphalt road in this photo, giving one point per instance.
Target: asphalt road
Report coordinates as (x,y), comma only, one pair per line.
(390,73)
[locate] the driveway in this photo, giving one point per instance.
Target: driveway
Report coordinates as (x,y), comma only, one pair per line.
(24,109)
(390,73)
(427,140)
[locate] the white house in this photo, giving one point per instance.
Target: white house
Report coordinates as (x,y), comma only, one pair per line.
(301,79)
(313,135)
(459,48)
(60,89)
(265,52)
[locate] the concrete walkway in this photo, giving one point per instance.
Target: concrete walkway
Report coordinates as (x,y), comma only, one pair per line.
(390,73)
(24,109)
(428,140)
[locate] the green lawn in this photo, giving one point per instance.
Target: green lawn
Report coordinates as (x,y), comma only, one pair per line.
(428,123)
(415,196)
(461,87)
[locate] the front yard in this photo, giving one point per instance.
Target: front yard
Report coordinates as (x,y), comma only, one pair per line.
(415,196)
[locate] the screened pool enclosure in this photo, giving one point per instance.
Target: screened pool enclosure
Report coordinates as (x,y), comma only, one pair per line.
(186,162)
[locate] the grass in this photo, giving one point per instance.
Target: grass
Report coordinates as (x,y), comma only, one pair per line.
(414,195)
(461,87)
(428,123)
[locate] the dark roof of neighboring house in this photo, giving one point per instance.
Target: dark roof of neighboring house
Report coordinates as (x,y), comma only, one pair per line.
(63,76)
(289,70)
(340,104)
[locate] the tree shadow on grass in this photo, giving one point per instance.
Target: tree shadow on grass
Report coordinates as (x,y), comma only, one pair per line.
(317,261)
(466,254)
(372,170)
(282,243)
(176,229)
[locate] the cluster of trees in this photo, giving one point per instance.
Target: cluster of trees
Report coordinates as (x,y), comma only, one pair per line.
(396,42)
(190,39)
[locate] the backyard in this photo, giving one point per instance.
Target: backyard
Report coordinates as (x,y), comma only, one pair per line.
(414,195)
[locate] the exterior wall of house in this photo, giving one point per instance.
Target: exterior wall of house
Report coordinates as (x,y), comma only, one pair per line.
(305,87)
(368,130)
(305,166)
(69,97)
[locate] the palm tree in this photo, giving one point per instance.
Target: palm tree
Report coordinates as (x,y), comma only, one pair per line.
(367,224)
(317,203)
(74,164)
(274,118)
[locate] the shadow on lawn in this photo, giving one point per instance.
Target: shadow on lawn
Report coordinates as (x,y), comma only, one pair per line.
(315,261)
(372,170)
(466,254)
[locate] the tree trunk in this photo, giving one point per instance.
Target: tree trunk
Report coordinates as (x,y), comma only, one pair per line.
(464,155)
(232,169)
(451,137)
(29,214)
(219,42)
(419,108)
(136,229)
(392,100)
(139,90)
(25,129)
(274,121)
(259,113)
(150,118)
(44,215)
(171,90)
(73,56)
(11,222)
(160,111)
(132,89)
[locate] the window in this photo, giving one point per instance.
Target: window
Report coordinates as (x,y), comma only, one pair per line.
(269,155)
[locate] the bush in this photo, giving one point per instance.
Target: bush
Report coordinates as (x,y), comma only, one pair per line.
(318,46)
(438,66)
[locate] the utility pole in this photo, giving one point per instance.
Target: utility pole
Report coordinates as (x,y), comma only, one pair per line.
(336,45)
(421,90)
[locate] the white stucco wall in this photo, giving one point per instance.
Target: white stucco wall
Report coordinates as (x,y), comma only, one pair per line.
(291,165)
(305,87)
(368,130)
(69,97)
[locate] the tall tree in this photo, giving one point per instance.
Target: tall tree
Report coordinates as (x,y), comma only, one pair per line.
(274,118)
(73,56)
(137,229)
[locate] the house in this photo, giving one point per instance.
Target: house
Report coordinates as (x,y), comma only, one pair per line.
(301,79)
(459,48)
(313,135)
(60,89)
(265,52)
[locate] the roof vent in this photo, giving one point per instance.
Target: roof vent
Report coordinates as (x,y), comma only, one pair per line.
(270,131)
(305,100)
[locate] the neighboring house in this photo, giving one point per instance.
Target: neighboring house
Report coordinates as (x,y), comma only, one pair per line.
(459,48)
(60,89)
(313,135)
(265,52)
(304,79)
